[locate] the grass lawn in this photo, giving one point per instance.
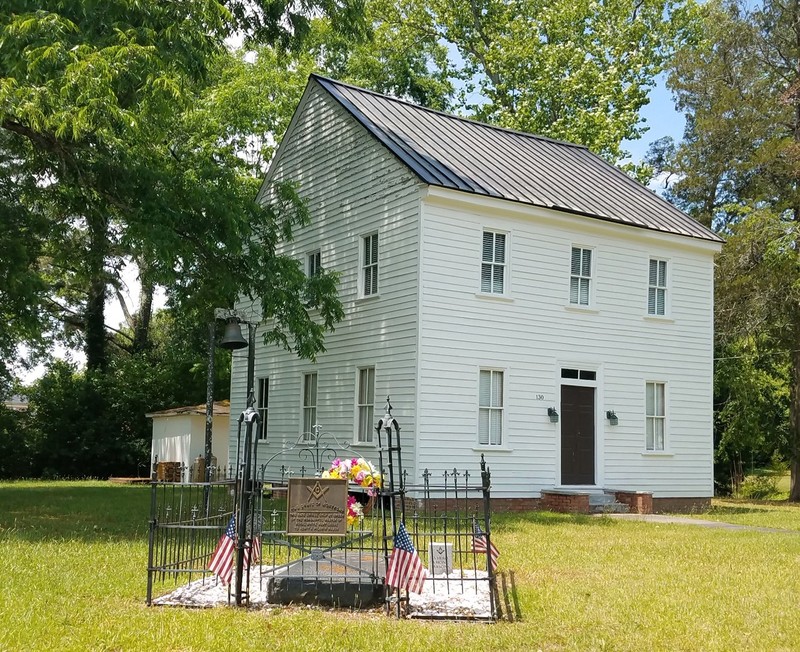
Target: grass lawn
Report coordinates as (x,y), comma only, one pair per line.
(74,559)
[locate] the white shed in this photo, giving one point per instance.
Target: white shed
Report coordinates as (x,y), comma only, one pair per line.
(179,434)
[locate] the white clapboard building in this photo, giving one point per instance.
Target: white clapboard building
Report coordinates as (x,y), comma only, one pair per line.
(516,296)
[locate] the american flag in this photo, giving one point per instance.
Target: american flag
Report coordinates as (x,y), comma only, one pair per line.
(479,544)
(252,549)
(405,569)
(222,560)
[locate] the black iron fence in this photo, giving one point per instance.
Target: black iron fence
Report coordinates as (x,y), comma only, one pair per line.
(186,521)
(446,513)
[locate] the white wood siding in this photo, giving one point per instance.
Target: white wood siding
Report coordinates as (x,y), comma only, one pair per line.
(535,331)
(353,187)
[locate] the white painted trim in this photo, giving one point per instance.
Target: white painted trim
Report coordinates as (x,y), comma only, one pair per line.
(419,325)
(667,439)
(503,445)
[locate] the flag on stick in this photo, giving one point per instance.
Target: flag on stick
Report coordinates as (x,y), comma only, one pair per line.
(405,570)
(479,544)
(221,563)
(252,550)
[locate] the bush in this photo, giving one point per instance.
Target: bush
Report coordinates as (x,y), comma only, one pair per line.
(759,487)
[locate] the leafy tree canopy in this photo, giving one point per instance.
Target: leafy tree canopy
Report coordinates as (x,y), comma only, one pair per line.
(578,71)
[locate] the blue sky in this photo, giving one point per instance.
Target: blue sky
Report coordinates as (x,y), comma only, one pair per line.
(661,118)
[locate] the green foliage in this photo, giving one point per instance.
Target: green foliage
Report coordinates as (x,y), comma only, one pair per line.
(16,451)
(736,170)
(91,424)
(116,107)
(578,71)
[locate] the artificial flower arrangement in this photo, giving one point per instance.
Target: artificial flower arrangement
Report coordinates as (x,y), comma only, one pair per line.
(354,511)
(358,471)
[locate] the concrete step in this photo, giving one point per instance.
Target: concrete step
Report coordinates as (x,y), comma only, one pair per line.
(606,503)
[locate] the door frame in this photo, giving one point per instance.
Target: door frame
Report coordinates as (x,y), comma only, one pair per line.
(599,431)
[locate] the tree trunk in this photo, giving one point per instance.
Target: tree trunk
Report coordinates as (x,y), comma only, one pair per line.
(141,333)
(794,427)
(95,321)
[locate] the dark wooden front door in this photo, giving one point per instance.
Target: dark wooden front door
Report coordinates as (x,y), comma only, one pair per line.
(577,435)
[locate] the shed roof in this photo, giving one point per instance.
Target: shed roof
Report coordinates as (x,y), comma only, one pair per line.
(221,408)
(461,154)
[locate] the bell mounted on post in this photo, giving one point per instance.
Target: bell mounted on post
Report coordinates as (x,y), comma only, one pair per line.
(233,338)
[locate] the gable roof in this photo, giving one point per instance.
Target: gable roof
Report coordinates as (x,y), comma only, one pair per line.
(460,154)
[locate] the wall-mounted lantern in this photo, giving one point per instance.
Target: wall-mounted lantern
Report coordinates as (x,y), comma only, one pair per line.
(553,414)
(612,417)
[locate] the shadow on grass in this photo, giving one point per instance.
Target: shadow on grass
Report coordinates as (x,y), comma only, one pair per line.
(66,511)
(730,509)
(510,522)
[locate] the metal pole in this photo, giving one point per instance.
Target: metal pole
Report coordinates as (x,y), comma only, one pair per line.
(250,416)
(210,398)
(251,364)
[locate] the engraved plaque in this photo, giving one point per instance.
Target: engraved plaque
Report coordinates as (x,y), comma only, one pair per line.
(317,506)
(440,558)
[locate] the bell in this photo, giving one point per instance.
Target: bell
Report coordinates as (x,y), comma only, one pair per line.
(233,339)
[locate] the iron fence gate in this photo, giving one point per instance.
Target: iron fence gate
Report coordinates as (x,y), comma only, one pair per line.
(443,512)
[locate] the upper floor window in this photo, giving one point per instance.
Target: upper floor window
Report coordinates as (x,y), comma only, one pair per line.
(314,263)
(493,262)
(657,288)
(369,265)
(580,276)
(262,405)
(365,405)
(656,416)
(309,404)
(490,408)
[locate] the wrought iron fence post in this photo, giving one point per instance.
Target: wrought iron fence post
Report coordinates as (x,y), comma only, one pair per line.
(486,482)
(151,535)
(250,417)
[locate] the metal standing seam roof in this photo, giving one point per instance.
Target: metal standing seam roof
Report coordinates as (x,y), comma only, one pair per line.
(461,154)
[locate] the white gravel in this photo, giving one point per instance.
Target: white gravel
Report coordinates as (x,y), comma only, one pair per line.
(458,595)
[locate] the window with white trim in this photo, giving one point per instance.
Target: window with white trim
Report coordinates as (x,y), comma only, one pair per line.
(580,276)
(490,408)
(262,405)
(365,405)
(309,404)
(657,288)
(493,263)
(656,416)
(369,265)
(314,263)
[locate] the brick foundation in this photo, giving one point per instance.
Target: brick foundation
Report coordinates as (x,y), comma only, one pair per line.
(638,502)
(681,505)
(565,501)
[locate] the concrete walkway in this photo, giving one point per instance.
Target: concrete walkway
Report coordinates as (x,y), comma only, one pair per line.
(685,520)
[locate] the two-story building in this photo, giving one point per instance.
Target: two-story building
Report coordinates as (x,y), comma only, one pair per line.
(515,296)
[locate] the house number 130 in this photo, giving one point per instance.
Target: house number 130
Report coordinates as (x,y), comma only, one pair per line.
(538,397)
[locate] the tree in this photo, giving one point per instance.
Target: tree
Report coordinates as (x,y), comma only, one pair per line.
(737,169)
(578,71)
(100,110)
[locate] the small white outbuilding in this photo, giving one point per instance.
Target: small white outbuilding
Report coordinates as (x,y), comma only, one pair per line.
(179,434)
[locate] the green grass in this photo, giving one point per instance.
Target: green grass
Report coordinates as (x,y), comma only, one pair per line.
(769,514)
(74,560)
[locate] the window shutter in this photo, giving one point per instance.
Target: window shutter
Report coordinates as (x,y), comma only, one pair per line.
(483,428)
(499,248)
(586,266)
(488,247)
(576,262)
